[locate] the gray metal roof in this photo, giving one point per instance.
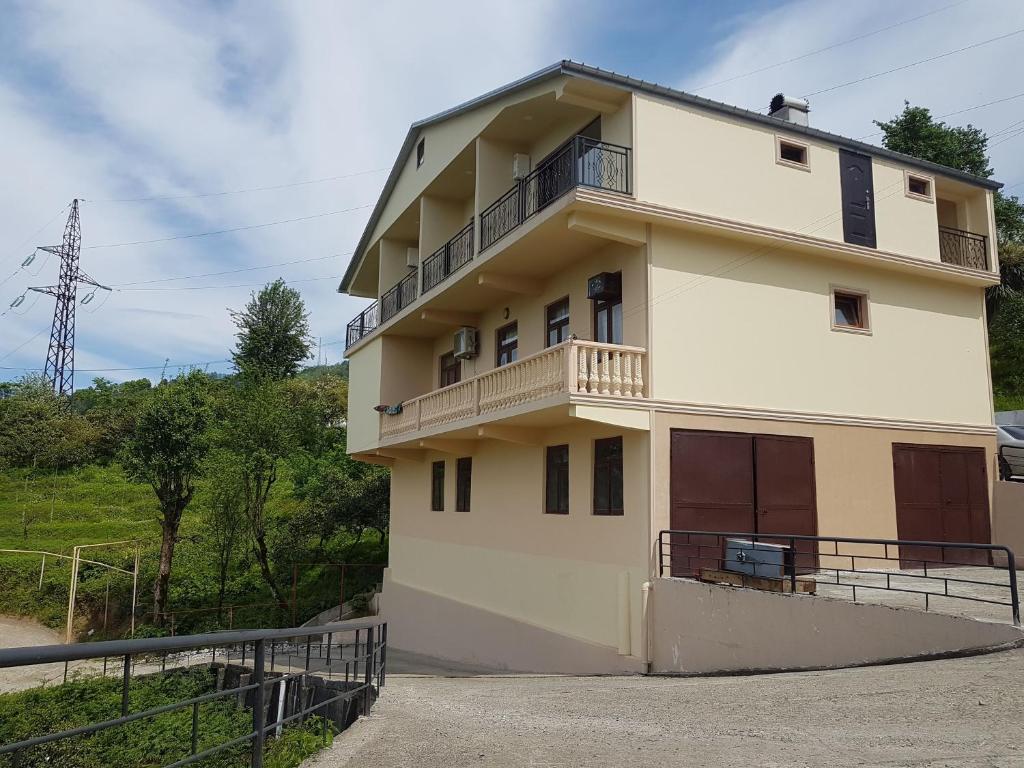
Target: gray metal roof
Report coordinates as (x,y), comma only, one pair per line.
(572,68)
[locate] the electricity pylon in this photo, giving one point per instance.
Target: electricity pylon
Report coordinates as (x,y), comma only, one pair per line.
(60,358)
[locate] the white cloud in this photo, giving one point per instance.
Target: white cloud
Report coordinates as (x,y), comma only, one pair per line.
(155,99)
(954,82)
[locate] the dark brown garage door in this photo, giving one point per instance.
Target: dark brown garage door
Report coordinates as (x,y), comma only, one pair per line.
(941,495)
(742,483)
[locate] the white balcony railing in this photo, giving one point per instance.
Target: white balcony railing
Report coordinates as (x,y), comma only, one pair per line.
(573,367)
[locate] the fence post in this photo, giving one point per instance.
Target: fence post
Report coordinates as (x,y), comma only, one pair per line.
(792,569)
(258,711)
(1011,563)
(371,663)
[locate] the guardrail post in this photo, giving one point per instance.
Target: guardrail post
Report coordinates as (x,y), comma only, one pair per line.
(383,654)
(371,663)
(125,680)
(258,710)
(1011,563)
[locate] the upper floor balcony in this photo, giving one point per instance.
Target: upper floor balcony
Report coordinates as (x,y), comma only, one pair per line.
(580,161)
(962,248)
(552,376)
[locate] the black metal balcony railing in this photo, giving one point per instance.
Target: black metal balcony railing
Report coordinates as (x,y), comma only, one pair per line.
(964,249)
(399,296)
(449,258)
(581,161)
(362,324)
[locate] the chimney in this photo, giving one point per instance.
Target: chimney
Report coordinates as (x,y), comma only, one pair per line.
(789,109)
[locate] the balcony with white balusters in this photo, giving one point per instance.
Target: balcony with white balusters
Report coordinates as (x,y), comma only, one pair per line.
(559,375)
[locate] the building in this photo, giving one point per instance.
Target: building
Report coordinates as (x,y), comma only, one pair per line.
(675,314)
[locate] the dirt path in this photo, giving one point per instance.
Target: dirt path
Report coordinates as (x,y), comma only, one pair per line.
(952,713)
(15,633)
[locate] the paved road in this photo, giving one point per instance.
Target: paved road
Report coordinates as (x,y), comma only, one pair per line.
(952,713)
(15,633)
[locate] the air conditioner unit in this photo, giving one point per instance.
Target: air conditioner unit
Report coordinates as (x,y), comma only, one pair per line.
(605,286)
(520,166)
(412,257)
(465,343)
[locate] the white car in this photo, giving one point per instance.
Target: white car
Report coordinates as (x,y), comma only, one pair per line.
(1010,439)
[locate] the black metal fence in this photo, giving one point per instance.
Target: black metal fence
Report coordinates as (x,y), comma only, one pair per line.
(931,570)
(581,161)
(333,671)
(449,258)
(962,248)
(362,324)
(399,296)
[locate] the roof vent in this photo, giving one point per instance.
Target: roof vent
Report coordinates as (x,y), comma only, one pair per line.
(789,109)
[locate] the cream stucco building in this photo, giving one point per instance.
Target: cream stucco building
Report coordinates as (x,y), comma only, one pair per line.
(677,314)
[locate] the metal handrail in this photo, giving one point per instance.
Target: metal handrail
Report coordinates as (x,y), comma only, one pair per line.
(580,161)
(362,324)
(963,248)
(398,297)
(706,552)
(370,637)
(448,259)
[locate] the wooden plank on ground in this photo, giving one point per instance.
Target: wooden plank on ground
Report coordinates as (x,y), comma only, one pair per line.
(714,576)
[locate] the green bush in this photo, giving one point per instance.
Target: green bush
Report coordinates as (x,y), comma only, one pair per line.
(143,743)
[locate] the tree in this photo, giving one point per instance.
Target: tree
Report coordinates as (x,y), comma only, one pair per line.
(225,517)
(258,433)
(167,450)
(37,431)
(273,332)
(915,132)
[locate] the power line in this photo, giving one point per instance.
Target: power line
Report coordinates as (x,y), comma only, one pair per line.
(130,368)
(237,285)
(828,47)
(232,271)
(957,112)
(306,182)
(914,63)
(35,234)
(231,229)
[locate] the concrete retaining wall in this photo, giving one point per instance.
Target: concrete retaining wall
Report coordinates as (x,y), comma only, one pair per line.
(704,628)
(1008,518)
(435,626)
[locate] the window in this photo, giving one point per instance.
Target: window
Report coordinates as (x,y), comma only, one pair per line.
(507,345)
(608,476)
(463,481)
(421,148)
(919,187)
(849,311)
(437,486)
(450,370)
(556,480)
(557,322)
(792,153)
(608,319)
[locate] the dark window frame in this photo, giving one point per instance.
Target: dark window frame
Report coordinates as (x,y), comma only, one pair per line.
(449,370)
(793,153)
(463,483)
(608,477)
(421,151)
(607,306)
(556,480)
(559,326)
(503,349)
(859,301)
(437,486)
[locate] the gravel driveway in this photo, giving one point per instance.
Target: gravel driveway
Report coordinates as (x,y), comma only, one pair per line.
(15,633)
(951,713)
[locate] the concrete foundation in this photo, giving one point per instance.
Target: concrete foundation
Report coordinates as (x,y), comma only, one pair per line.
(699,628)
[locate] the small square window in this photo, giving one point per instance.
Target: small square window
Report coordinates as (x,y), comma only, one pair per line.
(849,311)
(919,186)
(792,153)
(420,150)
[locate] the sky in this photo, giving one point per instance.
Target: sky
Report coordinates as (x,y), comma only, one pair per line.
(278,122)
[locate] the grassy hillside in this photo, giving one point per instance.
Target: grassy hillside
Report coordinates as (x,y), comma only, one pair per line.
(95,504)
